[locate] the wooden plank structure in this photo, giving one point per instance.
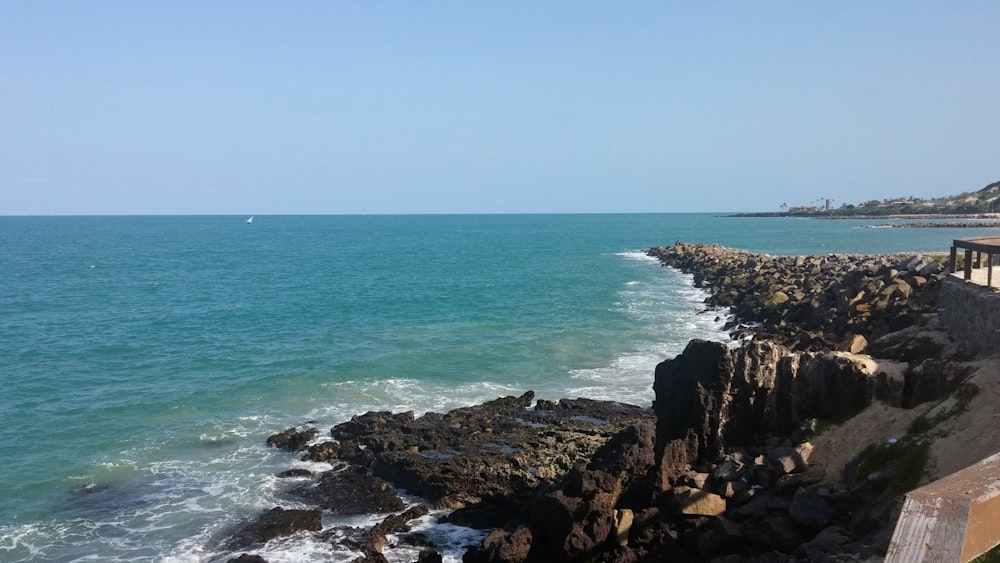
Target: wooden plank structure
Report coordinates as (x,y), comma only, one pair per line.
(953,519)
(979,246)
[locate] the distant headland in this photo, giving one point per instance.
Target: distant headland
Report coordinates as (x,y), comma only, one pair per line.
(981,204)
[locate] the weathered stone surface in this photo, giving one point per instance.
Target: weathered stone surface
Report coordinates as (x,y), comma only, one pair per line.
(501,546)
(373,540)
(854,343)
(812,302)
(810,510)
(623,523)
(293,439)
(489,451)
(723,536)
(350,490)
(324,451)
(579,515)
(695,502)
(711,397)
(275,523)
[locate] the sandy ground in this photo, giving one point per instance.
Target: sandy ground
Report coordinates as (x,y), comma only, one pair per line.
(962,439)
(974,434)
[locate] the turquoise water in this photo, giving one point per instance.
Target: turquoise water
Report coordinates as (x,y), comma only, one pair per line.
(144,360)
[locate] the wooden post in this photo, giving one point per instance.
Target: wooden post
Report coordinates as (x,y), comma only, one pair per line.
(952,264)
(968,264)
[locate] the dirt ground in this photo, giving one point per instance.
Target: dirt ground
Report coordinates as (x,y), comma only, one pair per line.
(962,439)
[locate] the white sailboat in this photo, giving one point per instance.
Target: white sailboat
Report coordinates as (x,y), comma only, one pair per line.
(250,220)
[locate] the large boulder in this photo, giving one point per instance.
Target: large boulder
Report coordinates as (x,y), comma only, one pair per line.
(712,397)
(585,510)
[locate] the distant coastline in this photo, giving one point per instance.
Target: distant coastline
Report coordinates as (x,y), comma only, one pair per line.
(835,214)
(926,220)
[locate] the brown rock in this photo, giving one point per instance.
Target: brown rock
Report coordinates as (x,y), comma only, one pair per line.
(696,502)
(854,343)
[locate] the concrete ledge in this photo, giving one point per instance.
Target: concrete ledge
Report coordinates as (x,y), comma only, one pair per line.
(951,519)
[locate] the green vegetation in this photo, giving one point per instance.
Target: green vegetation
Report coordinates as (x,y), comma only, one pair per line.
(991,556)
(986,200)
(903,463)
(915,350)
(963,396)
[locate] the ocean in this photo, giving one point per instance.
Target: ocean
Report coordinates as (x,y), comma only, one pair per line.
(144,360)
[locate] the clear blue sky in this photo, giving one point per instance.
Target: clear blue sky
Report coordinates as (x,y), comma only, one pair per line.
(504,106)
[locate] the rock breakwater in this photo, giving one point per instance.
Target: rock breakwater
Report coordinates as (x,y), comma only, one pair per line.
(813,302)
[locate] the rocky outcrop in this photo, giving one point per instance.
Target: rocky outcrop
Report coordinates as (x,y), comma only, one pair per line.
(349,489)
(275,523)
(812,302)
(711,398)
(585,509)
(293,439)
(372,541)
(500,451)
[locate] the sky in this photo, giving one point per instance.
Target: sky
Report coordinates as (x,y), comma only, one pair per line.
(337,107)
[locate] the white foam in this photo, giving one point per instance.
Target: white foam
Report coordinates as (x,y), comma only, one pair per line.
(451,541)
(638,255)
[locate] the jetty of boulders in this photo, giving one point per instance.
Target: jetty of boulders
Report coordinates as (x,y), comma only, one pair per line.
(717,470)
(813,302)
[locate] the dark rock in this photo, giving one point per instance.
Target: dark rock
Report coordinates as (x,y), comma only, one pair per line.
(483,515)
(810,510)
(787,296)
(500,449)
(579,515)
(275,523)
(295,473)
(788,484)
(829,540)
(373,541)
(757,507)
(781,532)
(427,556)
(728,470)
(247,558)
(711,398)
(502,546)
(723,536)
(351,490)
(292,440)
(323,452)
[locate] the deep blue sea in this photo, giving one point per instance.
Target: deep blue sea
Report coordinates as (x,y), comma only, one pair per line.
(144,360)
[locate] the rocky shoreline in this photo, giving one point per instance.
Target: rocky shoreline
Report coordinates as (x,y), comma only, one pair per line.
(930,225)
(717,470)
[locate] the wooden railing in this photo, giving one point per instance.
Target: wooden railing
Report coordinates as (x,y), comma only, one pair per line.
(979,246)
(952,519)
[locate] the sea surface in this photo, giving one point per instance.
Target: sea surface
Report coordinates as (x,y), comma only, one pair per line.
(144,360)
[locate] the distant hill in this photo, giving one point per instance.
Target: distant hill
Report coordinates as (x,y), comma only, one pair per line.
(986,200)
